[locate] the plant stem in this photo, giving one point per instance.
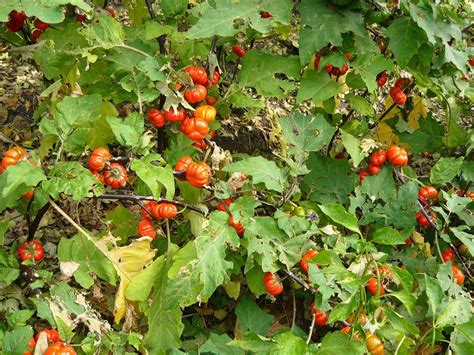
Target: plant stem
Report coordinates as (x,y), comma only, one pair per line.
(391,107)
(298,280)
(34,226)
(311,329)
(136,198)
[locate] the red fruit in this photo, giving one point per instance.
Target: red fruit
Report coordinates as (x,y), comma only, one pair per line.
(99,158)
(398,156)
(239,228)
(31,249)
(310,254)
(16,21)
(339,156)
(448,254)
(146,229)
(206,112)
(348,56)
(175,115)
(402,83)
(238,51)
(382,47)
(221,205)
(382,78)
(272,284)
(198,174)
(200,144)
(31,346)
(183,164)
(374,169)
(423,221)
(374,345)
(52,335)
(397,95)
(196,94)
(471,61)
(28,195)
(328,68)
(321,317)
(165,210)
(149,206)
(317,60)
(111,11)
(41,25)
(464,193)
(335,71)
(98,176)
(60,349)
(428,194)
(265,14)
(156,118)
(116,176)
(372,287)
(458,275)
(195,128)
(199,75)
(36,34)
(362,175)
(379,157)
(211,100)
(12,157)
(344,69)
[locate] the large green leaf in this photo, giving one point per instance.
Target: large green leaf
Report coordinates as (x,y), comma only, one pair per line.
(400,211)
(252,318)
(106,32)
(387,235)
(339,215)
(337,343)
(9,268)
(259,71)
(427,138)
(16,341)
(317,86)
(261,170)
(405,39)
(154,176)
(369,65)
(445,170)
(128,132)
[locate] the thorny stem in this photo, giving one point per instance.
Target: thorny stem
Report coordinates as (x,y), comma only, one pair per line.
(136,198)
(298,280)
(34,226)
(391,107)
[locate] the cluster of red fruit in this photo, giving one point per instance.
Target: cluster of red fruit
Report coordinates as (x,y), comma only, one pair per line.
(56,346)
(16,22)
(427,196)
(197,174)
(385,275)
(224,207)
(114,174)
(159,210)
(196,127)
(397,156)
(238,50)
(14,156)
(30,250)
(449,256)
(331,69)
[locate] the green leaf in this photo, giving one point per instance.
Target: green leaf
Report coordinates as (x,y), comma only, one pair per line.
(261,170)
(254,279)
(219,19)
(289,344)
(388,236)
(4,225)
(368,66)
(339,215)
(72,179)
(140,287)
(400,323)
(352,145)
(252,318)
(467,169)
(337,343)
(434,293)
(427,138)
(317,86)
(123,222)
(17,180)
(405,39)
(106,32)
(304,133)
(403,277)
(455,312)
(80,250)
(259,71)
(65,332)
(344,309)
(465,238)
(128,131)
(155,177)
(254,343)
(173,7)
(360,105)
(407,298)
(323,184)
(16,341)
(19,318)
(445,170)
(152,68)
(68,296)
(218,344)
(9,268)
(400,211)
(380,186)
(164,319)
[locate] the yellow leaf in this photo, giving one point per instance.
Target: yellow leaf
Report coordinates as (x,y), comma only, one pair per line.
(128,262)
(419,110)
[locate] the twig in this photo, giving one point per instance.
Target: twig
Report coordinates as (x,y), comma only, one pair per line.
(466,189)
(298,280)
(293,320)
(161,39)
(211,50)
(467,28)
(383,115)
(148,198)
(34,226)
(311,329)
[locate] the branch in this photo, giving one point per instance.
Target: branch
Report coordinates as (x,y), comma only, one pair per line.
(383,115)
(39,216)
(137,198)
(298,280)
